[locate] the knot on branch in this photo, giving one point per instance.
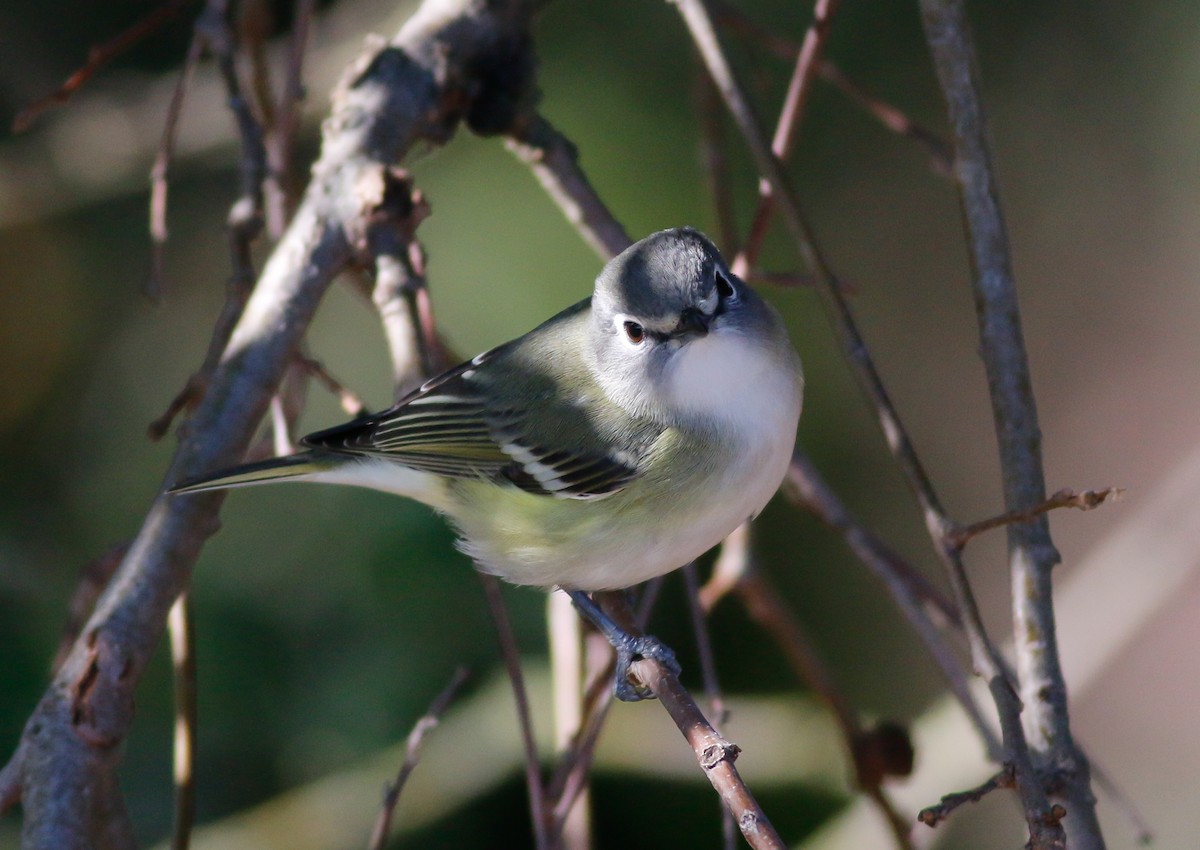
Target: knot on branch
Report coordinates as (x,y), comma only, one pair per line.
(102,694)
(390,210)
(718,752)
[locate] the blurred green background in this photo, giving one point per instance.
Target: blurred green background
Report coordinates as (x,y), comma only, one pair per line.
(328,618)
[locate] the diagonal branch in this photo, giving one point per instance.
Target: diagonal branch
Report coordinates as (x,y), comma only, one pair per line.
(417,87)
(1045,830)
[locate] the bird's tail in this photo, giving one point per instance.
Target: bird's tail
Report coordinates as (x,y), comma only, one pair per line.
(262,472)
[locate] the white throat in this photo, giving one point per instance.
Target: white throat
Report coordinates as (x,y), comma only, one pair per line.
(732,381)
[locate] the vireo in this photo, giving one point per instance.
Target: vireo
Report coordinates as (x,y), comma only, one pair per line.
(613,443)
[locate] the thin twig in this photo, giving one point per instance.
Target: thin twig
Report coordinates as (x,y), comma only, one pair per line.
(891,117)
(1142,832)
(704,647)
(159,183)
(1084,501)
(181,628)
(788,125)
(570,777)
(512,663)
(554,161)
(97,58)
(917,599)
(349,400)
(934,815)
(412,755)
(1032,555)
(941,157)
(987,659)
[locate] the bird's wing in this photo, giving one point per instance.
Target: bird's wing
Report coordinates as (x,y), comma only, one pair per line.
(504,415)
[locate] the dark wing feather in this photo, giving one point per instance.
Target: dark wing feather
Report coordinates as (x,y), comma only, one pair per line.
(500,416)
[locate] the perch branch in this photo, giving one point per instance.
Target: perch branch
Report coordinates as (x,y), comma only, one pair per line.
(715,754)
(414,88)
(1032,555)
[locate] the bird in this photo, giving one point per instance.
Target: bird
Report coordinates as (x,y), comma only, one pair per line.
(615,442)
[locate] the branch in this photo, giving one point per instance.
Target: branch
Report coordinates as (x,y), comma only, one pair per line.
(986,657)
(1084,501)
(412,755)
(415,88)
(512,663)
(715,754)
(933,815)
(1032,555)
(182,628)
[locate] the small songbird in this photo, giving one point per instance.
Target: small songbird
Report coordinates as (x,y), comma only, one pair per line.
(615,442)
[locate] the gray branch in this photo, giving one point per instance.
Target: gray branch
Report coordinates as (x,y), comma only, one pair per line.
(454,60)
(1032,555)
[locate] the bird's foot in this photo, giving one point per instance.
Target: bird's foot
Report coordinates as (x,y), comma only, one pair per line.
(634,649)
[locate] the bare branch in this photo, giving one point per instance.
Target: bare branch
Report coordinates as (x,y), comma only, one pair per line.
(412,755)
(934,815)
(554,161)
(715,754)
(1084,501)
(512,663)
(97,58)
(807,63)
(413,88)
(985,655)
(1032,555)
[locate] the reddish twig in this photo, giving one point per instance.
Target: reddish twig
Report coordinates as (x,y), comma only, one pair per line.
(181,628)
(876,753)
(412,755)
(941,156)
(349,400)
(512,663)
(97,58)
(1084,501)
(788,125)
(892,118)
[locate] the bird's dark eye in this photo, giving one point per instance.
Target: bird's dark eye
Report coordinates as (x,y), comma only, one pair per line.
(635,332)
(725,290)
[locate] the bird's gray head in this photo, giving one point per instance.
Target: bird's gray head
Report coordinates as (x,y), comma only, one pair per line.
(658,299)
